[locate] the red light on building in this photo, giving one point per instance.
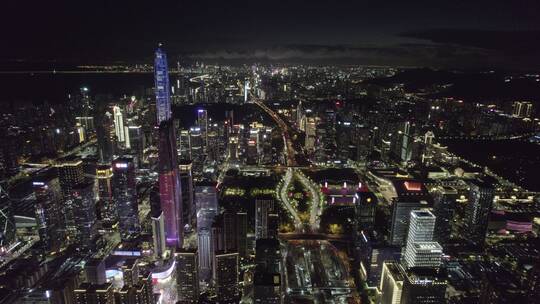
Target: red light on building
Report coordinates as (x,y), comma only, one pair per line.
(412,186)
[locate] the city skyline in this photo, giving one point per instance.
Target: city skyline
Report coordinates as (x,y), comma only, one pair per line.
(270,153)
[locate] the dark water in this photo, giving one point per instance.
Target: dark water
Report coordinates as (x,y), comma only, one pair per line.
(516,160)
(54,88)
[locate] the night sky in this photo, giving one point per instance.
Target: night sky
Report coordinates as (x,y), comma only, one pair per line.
(422,33)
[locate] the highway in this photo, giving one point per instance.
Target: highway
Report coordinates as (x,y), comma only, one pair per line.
(290,153)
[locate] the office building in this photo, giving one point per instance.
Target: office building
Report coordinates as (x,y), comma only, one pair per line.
(420,250)
(392,280)
(84,214)
(365,206)
(49,215)
(202,123)
(241,229)
(401,210)
(169,185)
(444,204)
(188,203)
(70,173)
(95,271)
(481,194)
(119,129)
(104,174)
(135,141)
(162,88)
(187,276)
(158,224)
(125,197)
(225,273)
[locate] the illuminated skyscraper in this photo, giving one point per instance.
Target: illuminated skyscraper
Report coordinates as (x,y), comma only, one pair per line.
(161,78)
(125,196)
(169,185)
(421,251)
(169,178)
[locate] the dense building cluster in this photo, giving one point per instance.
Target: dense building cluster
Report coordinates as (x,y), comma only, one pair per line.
(266,184)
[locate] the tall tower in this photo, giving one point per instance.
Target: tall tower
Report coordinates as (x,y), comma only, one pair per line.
(161,78)
(170,191)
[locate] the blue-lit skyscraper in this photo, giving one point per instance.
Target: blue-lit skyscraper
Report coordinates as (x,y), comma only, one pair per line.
(170,190)
(161,78)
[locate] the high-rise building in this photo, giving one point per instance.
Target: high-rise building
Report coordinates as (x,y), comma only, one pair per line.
(187,276)
(202,123)
(125,196)
(225,273)
(206,202)
(477,212)
(103,134)
(365,203)
(186,180)
(95,271)
(158,224)
(119,129)
(161,78)
(185,145)
(401,210)
(420,250)
(230,235)
(135,141)
(170,190)
(104,174)
(241,230)
(391,286)
(84,213)
(49,217)
(262,209)
(169,185)
(70,173)
(444,204)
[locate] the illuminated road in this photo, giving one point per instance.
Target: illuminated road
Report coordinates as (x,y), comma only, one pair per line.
(312,188)
(290,153)
(283,194)
(315,212)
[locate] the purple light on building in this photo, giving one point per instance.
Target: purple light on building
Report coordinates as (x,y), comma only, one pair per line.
(170,191)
